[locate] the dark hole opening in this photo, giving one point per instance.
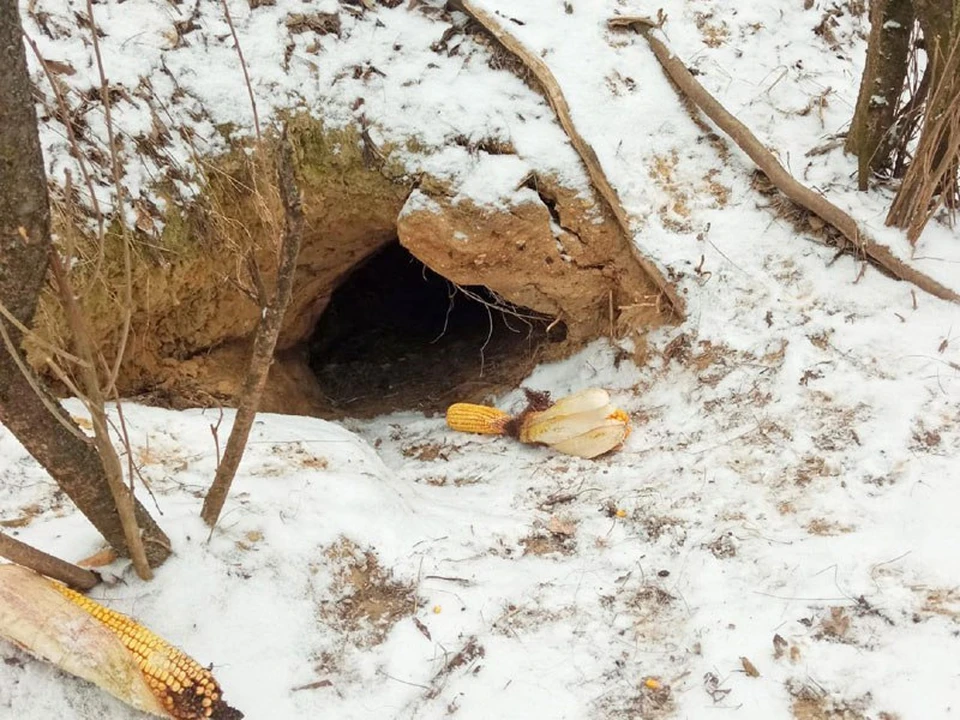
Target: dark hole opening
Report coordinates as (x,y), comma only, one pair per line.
(398,336)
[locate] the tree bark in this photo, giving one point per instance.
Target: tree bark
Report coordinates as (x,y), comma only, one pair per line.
(888,48)
(19,552)
(25,247)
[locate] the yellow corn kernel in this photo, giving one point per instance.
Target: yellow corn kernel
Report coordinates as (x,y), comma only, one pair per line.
(624,418)
(187,689)
(467,417)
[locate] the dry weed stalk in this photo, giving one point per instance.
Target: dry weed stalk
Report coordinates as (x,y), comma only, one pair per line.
(777,174)
(932,180)
(124,230)
(243,66)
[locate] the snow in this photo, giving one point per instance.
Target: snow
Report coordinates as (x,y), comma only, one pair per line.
(792,472)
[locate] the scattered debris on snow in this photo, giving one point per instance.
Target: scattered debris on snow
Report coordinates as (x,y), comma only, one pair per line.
(777,537)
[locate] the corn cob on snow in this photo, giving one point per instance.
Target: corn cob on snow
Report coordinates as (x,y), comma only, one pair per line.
(111,650)
(584,424)
(467,417)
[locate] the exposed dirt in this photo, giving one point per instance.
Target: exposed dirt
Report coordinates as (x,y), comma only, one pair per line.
(368,600)
(402,336)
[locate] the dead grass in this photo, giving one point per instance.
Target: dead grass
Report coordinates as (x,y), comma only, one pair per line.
(713,31)
(814,703)
(942,602)
(650,700)
(526,618)
(429,451)
(367,601)
(824,527)
(557,535)
(675,212)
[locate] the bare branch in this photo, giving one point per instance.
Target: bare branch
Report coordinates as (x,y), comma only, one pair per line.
(115,162)
(243,66)
(30,557)
(123,498)
(266,338)
(778,175)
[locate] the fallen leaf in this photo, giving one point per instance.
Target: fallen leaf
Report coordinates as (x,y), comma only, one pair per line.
(99,558)
(749,668)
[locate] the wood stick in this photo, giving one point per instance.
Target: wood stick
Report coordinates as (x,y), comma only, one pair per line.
(595,171)
(30,557)
(94,401)
(777,174)
(265,340)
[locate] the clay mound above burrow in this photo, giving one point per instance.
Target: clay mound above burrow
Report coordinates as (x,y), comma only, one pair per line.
(543,261)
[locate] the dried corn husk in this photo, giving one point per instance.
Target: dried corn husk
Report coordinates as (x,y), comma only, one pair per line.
(106,648)
(584,424)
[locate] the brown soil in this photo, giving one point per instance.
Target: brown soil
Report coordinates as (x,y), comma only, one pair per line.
(368,600)
(469,317)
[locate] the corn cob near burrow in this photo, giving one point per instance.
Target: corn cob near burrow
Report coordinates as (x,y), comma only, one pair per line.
(584,424)
(467,417)
(107,648)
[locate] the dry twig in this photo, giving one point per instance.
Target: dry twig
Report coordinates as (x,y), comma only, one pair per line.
(94,400)
(243,66)
(777,174)
(124,230)
(265,340)
(559,104)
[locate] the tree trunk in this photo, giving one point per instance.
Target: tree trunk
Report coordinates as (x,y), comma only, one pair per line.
(870,137)
(25,244)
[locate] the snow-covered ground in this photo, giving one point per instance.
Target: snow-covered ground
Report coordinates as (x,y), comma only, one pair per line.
(778,537)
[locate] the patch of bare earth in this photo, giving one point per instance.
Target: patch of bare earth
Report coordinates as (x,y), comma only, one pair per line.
(367,600)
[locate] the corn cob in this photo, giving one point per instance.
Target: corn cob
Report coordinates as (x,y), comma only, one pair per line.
(584,424)
(467,417)
(186,689)
(107,648)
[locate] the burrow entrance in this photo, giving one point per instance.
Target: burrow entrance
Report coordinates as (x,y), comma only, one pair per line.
(398,336)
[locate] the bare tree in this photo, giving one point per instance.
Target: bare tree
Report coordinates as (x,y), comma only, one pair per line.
(871,137)
(26,407)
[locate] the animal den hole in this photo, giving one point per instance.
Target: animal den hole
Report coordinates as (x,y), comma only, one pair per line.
(398,336)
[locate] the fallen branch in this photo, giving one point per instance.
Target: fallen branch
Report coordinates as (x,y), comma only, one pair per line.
(777,174)
(559,104)
(53,567)
(266,338)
